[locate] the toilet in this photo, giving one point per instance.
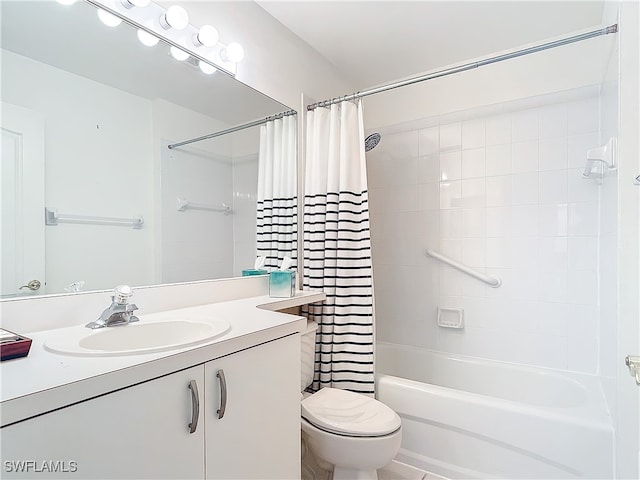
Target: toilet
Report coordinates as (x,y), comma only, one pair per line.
(351,433)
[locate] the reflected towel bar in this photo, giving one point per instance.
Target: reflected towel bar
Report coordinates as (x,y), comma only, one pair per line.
(184,204)
(52,217)
(491,281)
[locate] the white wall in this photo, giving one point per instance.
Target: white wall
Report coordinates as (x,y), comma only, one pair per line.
(512,201)
(93,167)
(499,189)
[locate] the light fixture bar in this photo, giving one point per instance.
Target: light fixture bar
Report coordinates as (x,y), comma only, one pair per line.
(182,39)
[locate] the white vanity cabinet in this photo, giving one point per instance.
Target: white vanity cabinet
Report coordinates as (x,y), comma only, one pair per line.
(137,432)
(255,432)
(143,431)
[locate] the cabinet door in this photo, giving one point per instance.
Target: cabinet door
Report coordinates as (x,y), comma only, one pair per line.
(258,437)
(138,432)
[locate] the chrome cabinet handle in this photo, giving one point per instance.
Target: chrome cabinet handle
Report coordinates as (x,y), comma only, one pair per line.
(223,393)
(33,285)
(195,406)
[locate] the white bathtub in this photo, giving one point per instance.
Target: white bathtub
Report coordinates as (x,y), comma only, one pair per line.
(464,417)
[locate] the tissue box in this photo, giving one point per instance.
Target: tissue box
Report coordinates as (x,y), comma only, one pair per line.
(252,271)
(13,345)
(282,283)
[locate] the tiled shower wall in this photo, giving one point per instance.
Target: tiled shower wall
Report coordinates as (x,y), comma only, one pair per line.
(501,190)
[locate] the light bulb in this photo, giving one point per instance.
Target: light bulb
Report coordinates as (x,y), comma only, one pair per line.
(147,39)
(67,2)
(207,36)
(175,17)
(134,3)
(233,53)
(108,19)
(178,54)
(206,68)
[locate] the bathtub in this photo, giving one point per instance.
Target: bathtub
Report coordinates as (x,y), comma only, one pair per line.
(464,417)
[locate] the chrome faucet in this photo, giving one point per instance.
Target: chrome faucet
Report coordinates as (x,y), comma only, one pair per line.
(120,312)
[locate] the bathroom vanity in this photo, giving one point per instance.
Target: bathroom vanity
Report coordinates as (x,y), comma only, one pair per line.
(226,408)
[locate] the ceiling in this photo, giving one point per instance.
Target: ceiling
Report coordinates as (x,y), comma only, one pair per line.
(375,42)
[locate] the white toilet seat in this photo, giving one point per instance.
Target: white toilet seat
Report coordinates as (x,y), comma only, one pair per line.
(347,413)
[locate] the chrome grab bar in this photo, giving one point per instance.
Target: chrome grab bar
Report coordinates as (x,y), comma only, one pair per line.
(491,281)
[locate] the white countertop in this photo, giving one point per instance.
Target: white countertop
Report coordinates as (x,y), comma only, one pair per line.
(44,381)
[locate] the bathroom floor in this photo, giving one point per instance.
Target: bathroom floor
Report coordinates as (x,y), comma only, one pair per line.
(400,471)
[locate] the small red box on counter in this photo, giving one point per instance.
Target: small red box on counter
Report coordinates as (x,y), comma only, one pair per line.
(13,345)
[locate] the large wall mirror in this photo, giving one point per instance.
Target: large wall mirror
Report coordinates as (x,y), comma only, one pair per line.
(87,114)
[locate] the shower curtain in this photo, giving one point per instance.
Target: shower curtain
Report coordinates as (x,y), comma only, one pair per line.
(337,248)
(277,211)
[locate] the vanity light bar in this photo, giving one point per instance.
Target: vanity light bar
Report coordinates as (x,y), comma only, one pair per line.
(148,20)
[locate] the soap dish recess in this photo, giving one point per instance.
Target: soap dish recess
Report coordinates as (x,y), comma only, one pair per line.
(451,317)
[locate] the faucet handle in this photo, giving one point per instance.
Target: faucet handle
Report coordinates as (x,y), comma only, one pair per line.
(122,294)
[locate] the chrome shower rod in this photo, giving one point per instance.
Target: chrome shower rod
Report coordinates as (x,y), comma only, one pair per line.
(469,66)
(234,129)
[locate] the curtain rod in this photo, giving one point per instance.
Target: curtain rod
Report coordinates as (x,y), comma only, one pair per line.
(469,66)
(234,129)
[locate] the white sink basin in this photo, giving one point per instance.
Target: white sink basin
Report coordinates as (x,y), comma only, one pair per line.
(135,338)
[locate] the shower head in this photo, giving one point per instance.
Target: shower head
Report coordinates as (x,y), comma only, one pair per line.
(371,141)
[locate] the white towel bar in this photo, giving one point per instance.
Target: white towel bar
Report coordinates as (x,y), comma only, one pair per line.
(52,217)
(491,281)
(184,204)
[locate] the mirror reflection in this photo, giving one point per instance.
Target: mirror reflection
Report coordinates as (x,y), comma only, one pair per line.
(87,114)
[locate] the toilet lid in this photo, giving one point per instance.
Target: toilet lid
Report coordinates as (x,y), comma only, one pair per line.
(349,413)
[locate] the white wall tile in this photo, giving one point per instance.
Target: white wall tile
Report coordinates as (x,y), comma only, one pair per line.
(524,125)
(583,116)
(577,147)
(553,187)
(553,318)
(552,154)
(553,219)
(451,223)
(583,218)
(552,121)
(525,220)
(499,222)
(450,136)
(428,169)
(429,196)
(583,253)
(524,157)
(525,188)
(552,286)
(582,287)
(553,253)
(498,160)
(499,191)
(498,130)
(473,193)
(581,189)
(473,163)
(401,145)
(450,194)
(429,141)
(474,222)
(451,166)
(473,133)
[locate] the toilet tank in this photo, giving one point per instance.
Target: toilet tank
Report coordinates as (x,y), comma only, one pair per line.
(307,354)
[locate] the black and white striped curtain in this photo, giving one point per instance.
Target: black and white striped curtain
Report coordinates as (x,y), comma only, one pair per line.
(337,248)
(277,211)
